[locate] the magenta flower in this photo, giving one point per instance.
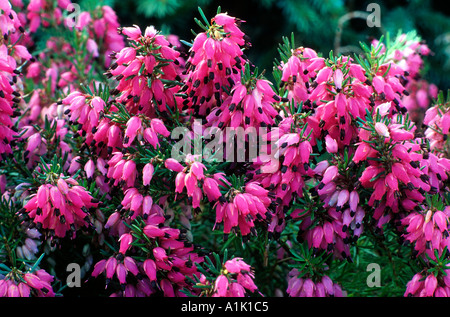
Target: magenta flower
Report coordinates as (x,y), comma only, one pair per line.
(306,287)
(118,267)
(167,264)
(299,70)
(29,284)
(193,180)
(427,230)
(425,284)
(60,207)
(437,119)
(141,75)
(144,129)
(215,60)
(236,279)
(249,105)
(293,143)
(242,208)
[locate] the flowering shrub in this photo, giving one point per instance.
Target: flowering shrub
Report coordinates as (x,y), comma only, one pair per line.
(104,136)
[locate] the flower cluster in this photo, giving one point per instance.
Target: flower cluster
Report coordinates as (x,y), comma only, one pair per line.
(419,93)
(60,206)
(305,287)
(143,72)
(235,281)
(19,284)
(428,285)
(437,120)
(427,230)
(241,208)
(215,61)
(13,53)
(193,180)
(92,164)
(283,169)
(169,263)
(248,105)
(233,278)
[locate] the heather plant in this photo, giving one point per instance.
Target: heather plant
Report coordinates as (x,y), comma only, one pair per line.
(346,172)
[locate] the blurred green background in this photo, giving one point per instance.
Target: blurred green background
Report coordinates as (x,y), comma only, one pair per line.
(314,23)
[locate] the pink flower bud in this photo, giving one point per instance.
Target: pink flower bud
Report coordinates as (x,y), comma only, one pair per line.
(129,168)
(151,137)
(131,265)
(159,127)
(74,165)
(180,182)
(133,32)
(331,144)
(13,290)
(191,183)
(160,254)
(24,290)
(441,220)
(33,280)
(3,288)
(246,281)
(317,236)
(34,141)
(338,78)
(167,288)
(241,204)
(236,290)
(430,285)
(221,285)
(133,125)
(150,270)
(211,188)
(152,231)
(92,47)
(99,267)
(89,168)
(378,84)
(328,232)
(112,220)
(382,129)
(147,204)
(197,169)
(330,174)
(125,241)
(353,200)
(308,287)
(173,165)
(121,273)
(110,267)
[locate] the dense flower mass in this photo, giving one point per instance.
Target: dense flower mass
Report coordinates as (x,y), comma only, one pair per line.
(149,160)
(60,207)
(215,61)
(35,284)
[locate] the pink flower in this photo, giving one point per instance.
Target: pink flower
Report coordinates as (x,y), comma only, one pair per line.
(243,209)
(306,287)
(221,286)
(173,165)
(59,211)
(215,61)
(331,144)
(133,69)
(147,173)
(246,108)
(125,240)
(35,284)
